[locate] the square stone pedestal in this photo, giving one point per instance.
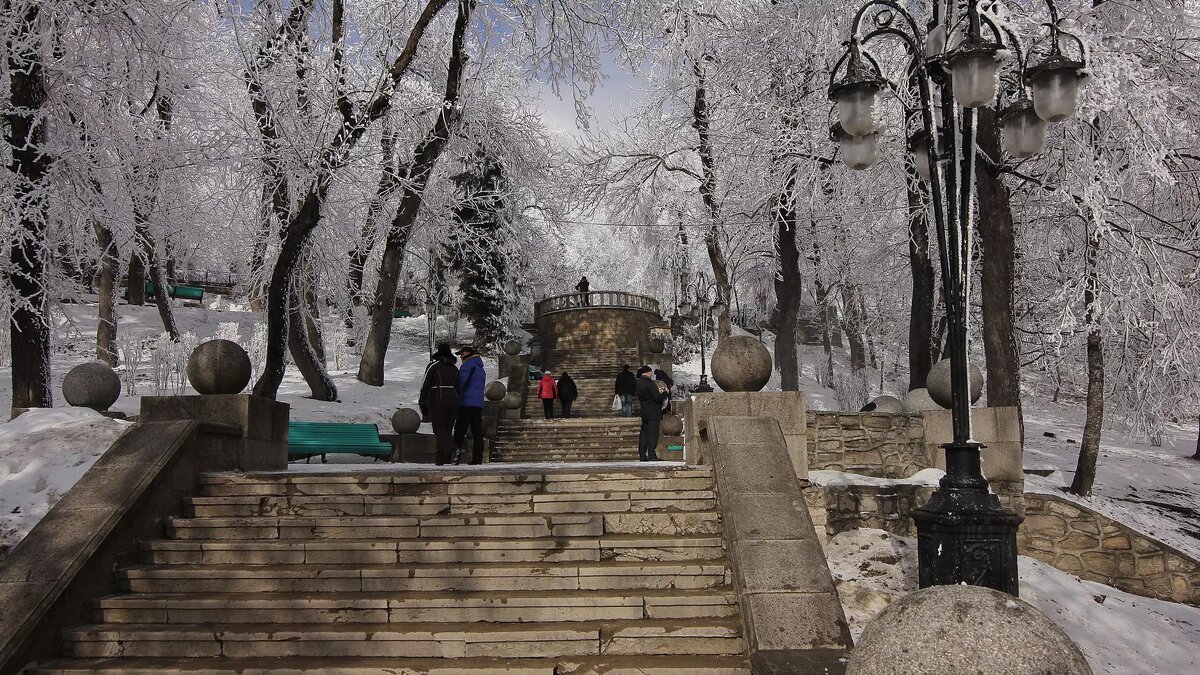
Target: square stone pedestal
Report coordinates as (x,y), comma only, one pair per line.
(263,422)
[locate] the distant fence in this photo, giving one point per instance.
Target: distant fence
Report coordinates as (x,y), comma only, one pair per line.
(596,299)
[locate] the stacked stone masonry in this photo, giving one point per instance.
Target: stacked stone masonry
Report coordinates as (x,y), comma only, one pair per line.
(871,444)
(1084,543)
(839,508)
(597,328)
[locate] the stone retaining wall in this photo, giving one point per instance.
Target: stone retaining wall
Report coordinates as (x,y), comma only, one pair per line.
(1087,544)
(849,507)
(597,328)
(871,444)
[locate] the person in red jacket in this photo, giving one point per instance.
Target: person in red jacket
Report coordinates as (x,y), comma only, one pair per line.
(547,390)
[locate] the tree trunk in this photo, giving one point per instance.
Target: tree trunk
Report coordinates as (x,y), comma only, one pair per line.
(708,192)
(852,326)
(136,277)
(998,273)
(921,344)
(258,252)
(388,176)
(1197,455)
(29,338)
(304,354)
(1089,446)
(788,287)
(308,284)
(425,156)
(106,328)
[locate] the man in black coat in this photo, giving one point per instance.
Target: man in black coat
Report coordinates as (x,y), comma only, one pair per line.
(439,400)
(626,389)
(650,398)
(567,393)
(582,288)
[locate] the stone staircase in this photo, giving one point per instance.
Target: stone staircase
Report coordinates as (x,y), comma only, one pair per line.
(592,363)
(463,571)
(573,440)
(595,400)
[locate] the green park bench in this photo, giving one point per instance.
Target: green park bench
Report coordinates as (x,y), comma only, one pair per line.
(181,292)
(308,439)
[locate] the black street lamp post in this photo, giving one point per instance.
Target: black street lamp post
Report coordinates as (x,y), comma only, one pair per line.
(703,289)
(964,535)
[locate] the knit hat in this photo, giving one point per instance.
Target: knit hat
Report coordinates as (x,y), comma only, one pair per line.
(443,352)
(644,369)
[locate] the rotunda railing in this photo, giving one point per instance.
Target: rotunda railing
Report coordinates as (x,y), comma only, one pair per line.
(595,300)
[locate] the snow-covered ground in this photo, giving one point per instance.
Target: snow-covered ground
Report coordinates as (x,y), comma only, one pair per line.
(1119,633)
(42,454)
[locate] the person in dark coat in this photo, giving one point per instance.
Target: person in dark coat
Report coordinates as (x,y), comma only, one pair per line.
(567,393)
(471,378)
(650,397)
(439,401)
(626,389)
(661,375)
(582,288)
(547,390)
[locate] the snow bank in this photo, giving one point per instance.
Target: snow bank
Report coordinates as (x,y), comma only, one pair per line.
(1117,632)
(42,453)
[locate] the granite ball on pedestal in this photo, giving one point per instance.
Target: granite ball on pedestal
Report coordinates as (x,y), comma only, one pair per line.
(657,346)
(406,421)
(889,405)
(494,391)
(741,363)
(512,401)
(219,367)
(938,383)
(918,400)
(964,629)
(672,425)
(92,385)
(512,347)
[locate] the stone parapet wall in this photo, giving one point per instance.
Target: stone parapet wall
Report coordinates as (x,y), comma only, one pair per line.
(871,444)
(597,328)
(881,507)
(1087,544)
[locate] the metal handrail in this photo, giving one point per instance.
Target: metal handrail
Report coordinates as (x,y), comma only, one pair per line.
(596,300)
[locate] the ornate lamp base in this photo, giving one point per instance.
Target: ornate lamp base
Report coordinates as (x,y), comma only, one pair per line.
(964,536)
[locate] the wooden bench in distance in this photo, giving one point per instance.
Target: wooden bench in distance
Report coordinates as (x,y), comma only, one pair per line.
(306,439)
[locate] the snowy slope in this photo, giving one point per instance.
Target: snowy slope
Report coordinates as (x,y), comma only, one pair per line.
(42,454)
(1119,633)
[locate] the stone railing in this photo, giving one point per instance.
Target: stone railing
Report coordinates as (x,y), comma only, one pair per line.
(1080,541)
(596,299)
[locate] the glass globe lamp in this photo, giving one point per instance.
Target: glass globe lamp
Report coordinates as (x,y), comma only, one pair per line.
(974,69)
(1055,84)
(1024,131)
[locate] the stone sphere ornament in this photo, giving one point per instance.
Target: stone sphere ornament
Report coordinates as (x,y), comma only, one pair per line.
(512,401)
(495,390)
(657,346)
(741,363)
(672,425)
(406,421)
(918,400)
(887,404)
(219,367)
(512,347)
(92,385)
(964,629)
(938,383)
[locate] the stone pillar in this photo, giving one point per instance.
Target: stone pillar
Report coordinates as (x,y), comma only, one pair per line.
(263,423)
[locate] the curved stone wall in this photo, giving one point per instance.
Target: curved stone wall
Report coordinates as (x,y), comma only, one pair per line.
(582,328)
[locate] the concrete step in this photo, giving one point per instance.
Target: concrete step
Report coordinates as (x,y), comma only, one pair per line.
(460,577)
(401,505)
(448,640)
(599,665)
(492,525)
(455,483)
(432,551)
(383,608)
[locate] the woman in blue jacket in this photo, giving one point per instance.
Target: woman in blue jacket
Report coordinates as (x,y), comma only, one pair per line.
(471,378)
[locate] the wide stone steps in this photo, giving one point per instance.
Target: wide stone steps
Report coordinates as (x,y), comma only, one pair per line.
(574,440)
(640,664)
(383,608)
(445,640)
(429,551)
(479,570)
